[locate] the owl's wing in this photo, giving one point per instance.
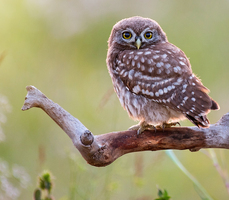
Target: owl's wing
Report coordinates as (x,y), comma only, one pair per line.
(169,82)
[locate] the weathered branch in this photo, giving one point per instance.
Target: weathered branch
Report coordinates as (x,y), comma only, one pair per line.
(102,150)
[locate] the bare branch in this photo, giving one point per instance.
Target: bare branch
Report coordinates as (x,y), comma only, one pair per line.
(102,150)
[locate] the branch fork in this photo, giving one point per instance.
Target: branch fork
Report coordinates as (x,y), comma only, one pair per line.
(102,150)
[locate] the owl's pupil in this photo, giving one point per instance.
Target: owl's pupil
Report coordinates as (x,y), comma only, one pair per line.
(148,35)
(126,35)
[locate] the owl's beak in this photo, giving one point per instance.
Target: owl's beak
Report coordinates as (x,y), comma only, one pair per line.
(138,43)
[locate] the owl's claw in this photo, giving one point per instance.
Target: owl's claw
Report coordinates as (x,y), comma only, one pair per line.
(141,127)
(168,125)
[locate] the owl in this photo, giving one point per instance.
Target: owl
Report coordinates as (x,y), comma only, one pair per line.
(153,78)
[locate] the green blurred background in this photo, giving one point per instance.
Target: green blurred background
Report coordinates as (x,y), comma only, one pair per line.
(60,48)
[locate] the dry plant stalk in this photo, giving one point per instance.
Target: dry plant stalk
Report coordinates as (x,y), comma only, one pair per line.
(102,150)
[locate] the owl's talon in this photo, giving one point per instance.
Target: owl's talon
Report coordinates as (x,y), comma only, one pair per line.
(134,127)
(140,130)
(141,127)
(146,127)
(167,125)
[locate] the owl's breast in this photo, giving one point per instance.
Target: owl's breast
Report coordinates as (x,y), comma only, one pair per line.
(141,108)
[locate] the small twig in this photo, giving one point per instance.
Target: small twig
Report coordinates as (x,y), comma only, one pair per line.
(101,150)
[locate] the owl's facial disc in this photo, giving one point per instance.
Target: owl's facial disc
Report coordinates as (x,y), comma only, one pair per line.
(128,36)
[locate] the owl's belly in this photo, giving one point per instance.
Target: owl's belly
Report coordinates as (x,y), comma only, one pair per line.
(143,109)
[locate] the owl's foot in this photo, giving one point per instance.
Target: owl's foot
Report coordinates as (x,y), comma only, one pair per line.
(168,125)
(142,126)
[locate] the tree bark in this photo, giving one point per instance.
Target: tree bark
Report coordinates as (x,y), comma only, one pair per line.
(102,150)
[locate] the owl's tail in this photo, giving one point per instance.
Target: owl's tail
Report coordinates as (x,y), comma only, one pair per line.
(215,105)
(203,121)
(200,121)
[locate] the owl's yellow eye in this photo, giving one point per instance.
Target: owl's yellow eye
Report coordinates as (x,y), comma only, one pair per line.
(148,35)
(126,35)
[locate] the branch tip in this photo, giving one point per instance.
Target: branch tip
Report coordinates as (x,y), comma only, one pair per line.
(33,98)
(224,120)
(30,87)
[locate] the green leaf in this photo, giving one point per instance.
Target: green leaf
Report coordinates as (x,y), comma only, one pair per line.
(162,195)
(37,194)
(45,181)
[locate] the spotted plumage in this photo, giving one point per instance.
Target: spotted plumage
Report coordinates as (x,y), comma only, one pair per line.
(153,78)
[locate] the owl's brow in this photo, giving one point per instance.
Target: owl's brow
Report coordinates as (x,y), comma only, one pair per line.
(128,29)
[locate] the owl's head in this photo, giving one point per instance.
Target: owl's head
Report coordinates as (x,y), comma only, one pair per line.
(135,33)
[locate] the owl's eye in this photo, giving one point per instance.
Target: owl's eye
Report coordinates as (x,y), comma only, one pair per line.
(148,35)
(126,35)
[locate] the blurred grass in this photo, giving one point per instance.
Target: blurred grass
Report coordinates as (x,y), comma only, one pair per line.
(68,65)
